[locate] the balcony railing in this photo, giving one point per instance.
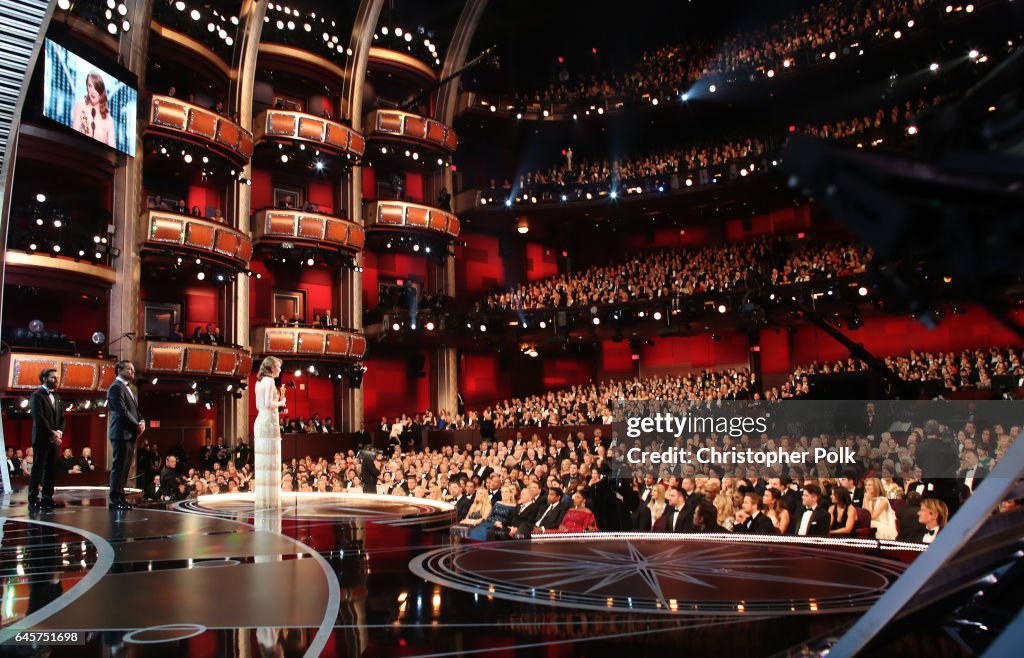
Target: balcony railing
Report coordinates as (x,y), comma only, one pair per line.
(195,360)
(308,342)
(20,371)
(308,228)
(323,134)
(176,118)
(60,265)
(405,215)
(395,124)
(197,236)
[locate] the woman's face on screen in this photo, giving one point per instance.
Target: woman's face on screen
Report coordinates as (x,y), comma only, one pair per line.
(94,95)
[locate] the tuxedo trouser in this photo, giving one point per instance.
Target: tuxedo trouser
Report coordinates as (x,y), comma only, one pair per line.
(44,470)
(123,456)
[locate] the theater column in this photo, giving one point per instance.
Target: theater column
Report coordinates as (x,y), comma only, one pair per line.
(349,399)
(234,419)
(126,216)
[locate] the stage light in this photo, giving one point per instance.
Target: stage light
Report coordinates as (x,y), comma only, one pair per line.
(39,221)
(522,226)
(23,403)
(408,37)
(654,101)
(220,277)
(64,4)
(81,252)
(440,162)
(565,198)
(933,67)
(195,14)
(689,182)
(200,275)
(208,405)
(56,248)
(949,9)
(494,108)
(395,327)
(383,150)
(712,89)
(483,328)
(614,194)
(912,130)
(98,255)
(597,321)
(188,158)
(310,261)
(32,247)
(686,96)
(722,308)
(430,326)
(969,8)
(743,172)
(298,372)
(657,315)
(519,115)
(542,324)
(832,55)
(41,198)
(284,157)
(415,156)
(206,160)
(508,203)
(600,110)
(973,54)
(897,34)
(179,5)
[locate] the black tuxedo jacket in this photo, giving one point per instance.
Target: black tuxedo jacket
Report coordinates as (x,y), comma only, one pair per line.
(681,525)
(462,506)
(980,473)
(124,413)
(524,520)
(495,497)
(483,470)
(554,517)
(819,525)
(46,418)
(758,525)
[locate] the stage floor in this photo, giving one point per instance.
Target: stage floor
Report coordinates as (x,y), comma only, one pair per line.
(338,575)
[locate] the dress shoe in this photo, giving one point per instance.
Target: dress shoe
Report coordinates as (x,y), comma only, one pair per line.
(34,505)
(123,505)
(52,504)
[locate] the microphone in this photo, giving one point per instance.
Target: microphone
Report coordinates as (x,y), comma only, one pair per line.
(94,113)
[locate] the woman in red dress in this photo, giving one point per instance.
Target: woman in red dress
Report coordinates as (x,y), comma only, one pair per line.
(579,518)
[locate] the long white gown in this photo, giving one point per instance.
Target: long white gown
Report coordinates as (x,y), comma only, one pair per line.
(267,444)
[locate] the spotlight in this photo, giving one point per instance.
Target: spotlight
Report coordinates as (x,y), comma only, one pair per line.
(195,14)
(771,73)
(712,89)
(41,198)
(23,403)
(310,261)
(312,369)
(934,67)
(195,385)
(657,315)
(721,308)
(284,157)
(973,54)
(597,321)
(32,247)
(508,203)
(614,194)
(542,324)
(298,372)
(519,115)
(201,275)
(208,405)
(188,158)
(318,165)
(395,327)
(430,326)
(416,247)
(483,328)
(689,182)
(192,398)
(56,248)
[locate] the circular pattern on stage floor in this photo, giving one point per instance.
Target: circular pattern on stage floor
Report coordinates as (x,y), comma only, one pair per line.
(678,574)
(389,510)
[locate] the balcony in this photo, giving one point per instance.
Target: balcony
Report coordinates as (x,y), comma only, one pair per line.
(20,372)
(197,125)
(308,343)
(395,125)
(193,360)
(382,215)
(323,134)
(171,232)
(309,229)
(36,264)
(402,65)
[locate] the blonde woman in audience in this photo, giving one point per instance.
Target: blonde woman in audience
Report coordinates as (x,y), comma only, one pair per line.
(883,518)
(480,510)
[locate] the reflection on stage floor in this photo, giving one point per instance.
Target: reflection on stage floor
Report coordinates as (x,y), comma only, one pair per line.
(374,576)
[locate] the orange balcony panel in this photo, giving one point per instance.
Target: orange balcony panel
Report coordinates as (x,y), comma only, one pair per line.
(244,366)
(79,375)
(281,224)
(415,126)
(27,369)
(228,134)
(165,229)
(389,122)
(108,373)
(311,129)
(245,145)
(337,135)
(357,347)
(245,250)
(336,232)
(170,114)
(310,342)
(357,143)
(225,363)
(453,225)
(280,341)
(165,358)
(279,123)
(227,243)
(202,123)
(451,140)
(438,221)
(311,227)
(390,213)
(436,132)
(337,344)
(417,216)
(198,360)
(199,236)
(356,236)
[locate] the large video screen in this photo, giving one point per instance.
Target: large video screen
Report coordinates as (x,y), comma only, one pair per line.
(86,98)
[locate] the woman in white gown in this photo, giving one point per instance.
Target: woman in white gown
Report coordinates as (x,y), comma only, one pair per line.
(883,517)
(267,435)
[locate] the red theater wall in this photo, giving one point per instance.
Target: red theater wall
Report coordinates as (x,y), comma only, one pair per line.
(390,388)
(377,266)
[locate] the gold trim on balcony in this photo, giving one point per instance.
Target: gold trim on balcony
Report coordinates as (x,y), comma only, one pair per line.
(177,118)
(415,216)
(196,360)
(283,225)
(307,59)
(61,263)
(175,232)
(396,124)
(324,134)
(308,343)
(188,43)
(20,371)
(387,58)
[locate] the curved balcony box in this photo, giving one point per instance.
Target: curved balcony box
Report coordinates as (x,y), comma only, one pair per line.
(412,216)
(308,342)
(59,267)
(20,371)
(276,225)
(403,66)
(196,360)
(403,126)
(196,236)
(321,133)
(194,124)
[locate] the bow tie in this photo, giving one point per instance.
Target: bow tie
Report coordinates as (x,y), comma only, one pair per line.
(933,531)
(808,509)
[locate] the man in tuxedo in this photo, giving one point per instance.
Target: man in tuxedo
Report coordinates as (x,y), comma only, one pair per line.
(168,478)
(910,527)
(67,463)
(327,321)
(47,433)
(756,523)
(971,474)
(674,519)
(363,438)
(551,517)
(13,463)
(240,455)
(85,462)
(814,520)
(523,516)
(372,465)
(462,503)
(494,488)
(646,489)
(939,459)
(848,481)
(126,424)
(482,469)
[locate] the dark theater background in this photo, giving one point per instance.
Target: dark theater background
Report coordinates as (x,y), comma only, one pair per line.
(467,229)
